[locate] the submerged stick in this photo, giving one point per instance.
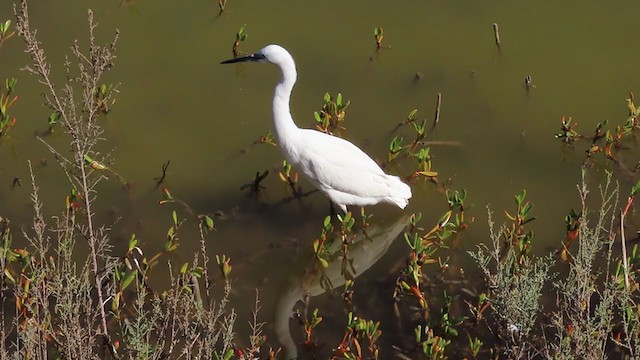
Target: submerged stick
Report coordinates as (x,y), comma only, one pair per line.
(438,105)
(496,34)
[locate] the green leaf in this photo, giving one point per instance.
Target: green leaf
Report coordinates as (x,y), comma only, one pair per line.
(127,280)
(115,303)
(53,118)
(635,188)
(209,221)
(174,215)
(228,354)
(525,210)
(325,263)
(7,273)
(133,242)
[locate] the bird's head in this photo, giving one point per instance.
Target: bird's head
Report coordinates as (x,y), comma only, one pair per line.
(274,54)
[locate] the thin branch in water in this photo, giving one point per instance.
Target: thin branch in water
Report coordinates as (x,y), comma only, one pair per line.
(159,180)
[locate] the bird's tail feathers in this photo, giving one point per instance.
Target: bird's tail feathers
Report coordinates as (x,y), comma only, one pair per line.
(400,192)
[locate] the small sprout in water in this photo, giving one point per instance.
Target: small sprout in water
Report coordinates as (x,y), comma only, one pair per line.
(224,264)
(6,101)
(447,322)
(572,223)
(433,347)
(475,344)
(309,325)
(207,221)
(347,294)
(515,234)
(166,194)
(4,31)
(424,164)
(72,200)
(528,83)
(291,180)
(241,36)
(378,35)
(10,84)
(103,95)
(568,134)
(96,165)
(456,203)
(53,119)
(320,244)
(411,117)
(266,139)
(221,5)
(395,147)
(332,113)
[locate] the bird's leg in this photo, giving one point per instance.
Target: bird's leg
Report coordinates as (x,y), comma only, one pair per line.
(332,209)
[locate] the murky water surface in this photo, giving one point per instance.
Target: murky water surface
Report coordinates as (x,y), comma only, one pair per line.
(177,103)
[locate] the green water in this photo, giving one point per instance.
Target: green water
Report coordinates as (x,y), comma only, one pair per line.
(177,103)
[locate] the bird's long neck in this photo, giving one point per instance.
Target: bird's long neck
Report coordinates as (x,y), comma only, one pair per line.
(283,122)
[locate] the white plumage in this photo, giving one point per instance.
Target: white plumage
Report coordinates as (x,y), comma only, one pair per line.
(335,166)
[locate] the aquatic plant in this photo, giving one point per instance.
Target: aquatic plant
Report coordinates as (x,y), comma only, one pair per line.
(515,281)
(5,31)
(378,36)
(241,36)
(6,102)
(332,114)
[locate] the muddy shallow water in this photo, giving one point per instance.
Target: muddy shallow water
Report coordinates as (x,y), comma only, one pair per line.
(495,136)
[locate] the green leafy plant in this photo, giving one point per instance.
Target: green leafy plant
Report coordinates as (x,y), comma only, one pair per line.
(323,243)
(431,346)
(378,36)
(455,200)
(395,147)
(266,139)
(423,247)
(290,179)
(241,36)
(309,325)
(104,99)
(5,31)
(6,102)
(357,332)
(332,114)
(515,234)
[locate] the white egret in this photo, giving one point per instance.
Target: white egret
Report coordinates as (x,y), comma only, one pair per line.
(335,166)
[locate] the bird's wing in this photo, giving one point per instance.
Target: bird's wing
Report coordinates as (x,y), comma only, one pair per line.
(337,164)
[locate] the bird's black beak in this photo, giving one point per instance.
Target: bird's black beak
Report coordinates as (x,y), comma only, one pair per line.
(254,57)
